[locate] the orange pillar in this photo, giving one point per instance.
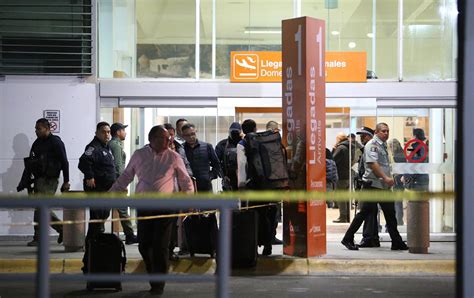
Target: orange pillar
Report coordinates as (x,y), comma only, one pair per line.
(304,133)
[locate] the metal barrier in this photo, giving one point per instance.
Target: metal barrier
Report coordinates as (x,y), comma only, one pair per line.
(43,275)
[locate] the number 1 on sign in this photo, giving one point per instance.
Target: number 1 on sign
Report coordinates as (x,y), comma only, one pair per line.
(298,42)
(319,41)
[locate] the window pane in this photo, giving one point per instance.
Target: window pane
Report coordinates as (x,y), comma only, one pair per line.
(206,40)
(116,27)
(249,25)
(165,38)
(429,40)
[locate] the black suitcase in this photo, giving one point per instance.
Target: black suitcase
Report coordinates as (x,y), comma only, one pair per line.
(201,234)
(244,239)
(106,254)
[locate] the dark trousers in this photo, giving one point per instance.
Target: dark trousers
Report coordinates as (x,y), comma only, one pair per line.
(344,207)
(388,209)
(96,228)
(44,185)
(370,231)
(266,222)
(153,241)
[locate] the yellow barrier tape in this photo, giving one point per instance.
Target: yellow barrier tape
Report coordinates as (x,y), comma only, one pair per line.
(275,196)
(149,217)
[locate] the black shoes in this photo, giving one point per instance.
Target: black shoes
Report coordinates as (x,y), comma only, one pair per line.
(369,243)
(267,250)
(277,241)
(340,220)
(173,256)
(32,243)
(399,246)
(158,291)
(349,244)
(132,239)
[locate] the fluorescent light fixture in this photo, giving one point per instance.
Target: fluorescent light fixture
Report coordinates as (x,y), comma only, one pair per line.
(370,35)
(352,45)
(335,32)
(262,30)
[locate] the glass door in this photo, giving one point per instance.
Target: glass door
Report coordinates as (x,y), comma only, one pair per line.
(421,145)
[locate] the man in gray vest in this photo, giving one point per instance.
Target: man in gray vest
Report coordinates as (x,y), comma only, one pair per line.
(377,177)
(117,130)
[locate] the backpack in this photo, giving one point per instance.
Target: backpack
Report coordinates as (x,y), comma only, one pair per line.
(267,161)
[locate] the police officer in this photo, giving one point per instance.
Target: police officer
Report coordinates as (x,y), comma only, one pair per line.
(97,165)
(370,234)
(42,168)
(377,177)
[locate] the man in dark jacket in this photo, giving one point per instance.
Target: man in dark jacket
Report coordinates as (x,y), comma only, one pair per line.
(118,133)
(342,158)
(97,165)
(42,168)
(226,151)
(202,157)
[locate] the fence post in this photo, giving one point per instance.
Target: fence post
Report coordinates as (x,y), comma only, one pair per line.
(224,252)
(42,274)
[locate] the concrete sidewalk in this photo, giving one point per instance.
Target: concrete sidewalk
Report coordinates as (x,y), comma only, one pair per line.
(16,257)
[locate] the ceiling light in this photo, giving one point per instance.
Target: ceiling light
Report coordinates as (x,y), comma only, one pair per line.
(335,32)
(370,35)
(262,31)
(352,45)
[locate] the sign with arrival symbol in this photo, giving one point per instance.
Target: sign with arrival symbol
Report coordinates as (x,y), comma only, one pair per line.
(266,67)
(256,67)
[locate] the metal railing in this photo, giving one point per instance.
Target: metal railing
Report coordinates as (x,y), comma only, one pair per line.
(43,275)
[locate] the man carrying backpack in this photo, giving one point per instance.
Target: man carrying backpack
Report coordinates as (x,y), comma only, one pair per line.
(226,151)
(262,166)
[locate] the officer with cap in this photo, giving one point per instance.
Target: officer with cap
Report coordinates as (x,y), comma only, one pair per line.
(117,130)
(370,234)
(377,177)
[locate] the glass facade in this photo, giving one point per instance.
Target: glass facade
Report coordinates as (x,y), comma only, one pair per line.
(162,38)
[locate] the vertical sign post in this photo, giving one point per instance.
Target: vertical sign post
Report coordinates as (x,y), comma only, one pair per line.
(304,125)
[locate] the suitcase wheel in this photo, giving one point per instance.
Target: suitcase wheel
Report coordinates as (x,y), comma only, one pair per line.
(213,255)
(119,288)
(191,254)
(89,287)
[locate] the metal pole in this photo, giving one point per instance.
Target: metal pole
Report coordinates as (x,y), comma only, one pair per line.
(464,162)
(42,275)
(223,253)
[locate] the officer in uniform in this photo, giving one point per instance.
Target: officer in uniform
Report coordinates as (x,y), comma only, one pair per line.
(377,177)
(97,165)
(370,234)
(42,168)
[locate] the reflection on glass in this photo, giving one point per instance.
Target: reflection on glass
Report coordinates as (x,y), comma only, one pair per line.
(165,38)
(429,39)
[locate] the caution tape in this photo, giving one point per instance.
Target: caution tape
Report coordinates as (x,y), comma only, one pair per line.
(149,217)
(274,196)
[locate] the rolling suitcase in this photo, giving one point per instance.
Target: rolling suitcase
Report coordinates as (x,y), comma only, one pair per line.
(201,234)
(106,254)
(244,239)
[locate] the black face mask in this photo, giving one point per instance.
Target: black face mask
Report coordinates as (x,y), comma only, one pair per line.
(235,136)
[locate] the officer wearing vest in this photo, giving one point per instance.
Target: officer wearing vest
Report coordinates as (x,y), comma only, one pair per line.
(377,177)
(98,166)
